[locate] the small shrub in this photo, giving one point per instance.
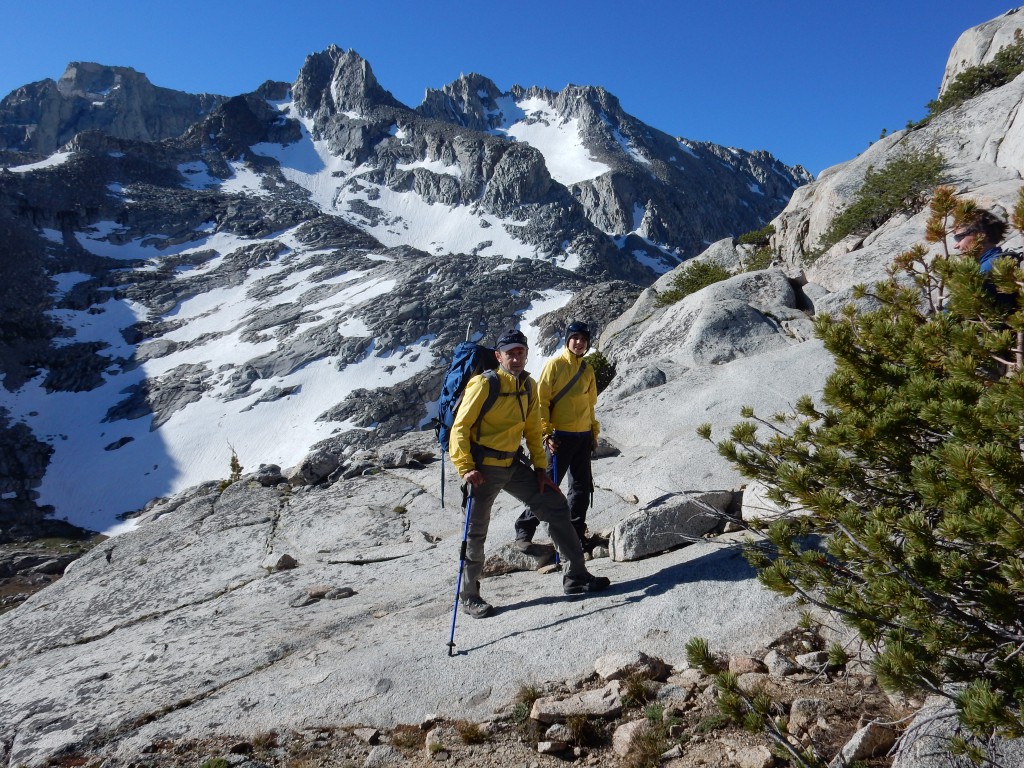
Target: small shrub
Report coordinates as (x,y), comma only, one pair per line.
(655,713)
(690,279)
(471,733)
(236,471)
(216,762)
(529,727)
(603,369)
(712,723)
(527,695)
(903,185)
(757,712)
(648,746)
(761,258)
(584,731)
(837,656)
(520,713)
(265,740)
(758,237)
(236,468)
(699,655)
(637,690)
(409,737)
(807,621)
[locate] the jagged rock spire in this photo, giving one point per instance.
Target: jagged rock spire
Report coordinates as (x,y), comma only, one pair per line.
(335,81)
(470,101)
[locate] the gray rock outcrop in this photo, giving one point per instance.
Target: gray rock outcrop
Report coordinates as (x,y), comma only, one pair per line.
(980,44)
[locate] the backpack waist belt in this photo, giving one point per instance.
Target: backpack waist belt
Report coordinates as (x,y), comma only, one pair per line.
(479,450)
(565,433)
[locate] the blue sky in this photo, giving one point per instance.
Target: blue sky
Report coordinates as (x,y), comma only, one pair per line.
(811,81)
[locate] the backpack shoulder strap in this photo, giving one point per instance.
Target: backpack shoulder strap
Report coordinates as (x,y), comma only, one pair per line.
(564,390)
(493,390)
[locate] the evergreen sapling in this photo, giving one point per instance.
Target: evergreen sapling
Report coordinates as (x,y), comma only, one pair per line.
(905,487)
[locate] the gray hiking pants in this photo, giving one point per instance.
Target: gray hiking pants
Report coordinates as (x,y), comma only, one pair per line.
(549,507)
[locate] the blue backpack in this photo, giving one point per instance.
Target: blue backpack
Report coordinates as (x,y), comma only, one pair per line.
(468,360)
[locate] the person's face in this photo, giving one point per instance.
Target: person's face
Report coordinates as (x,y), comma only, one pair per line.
(965,239)
(578,344)
(513,360)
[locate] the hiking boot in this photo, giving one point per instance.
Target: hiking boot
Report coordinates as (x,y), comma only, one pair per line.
(475,606)
(523,544)
(588,583)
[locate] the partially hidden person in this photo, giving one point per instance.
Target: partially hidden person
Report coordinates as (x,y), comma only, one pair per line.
(980,236)
(567,389)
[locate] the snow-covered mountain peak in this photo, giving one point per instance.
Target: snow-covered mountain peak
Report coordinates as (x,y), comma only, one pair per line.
(296,265)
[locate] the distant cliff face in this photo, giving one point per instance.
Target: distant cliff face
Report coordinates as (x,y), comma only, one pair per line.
(40,117)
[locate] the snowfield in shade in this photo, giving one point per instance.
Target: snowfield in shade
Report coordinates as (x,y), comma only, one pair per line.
(92,457)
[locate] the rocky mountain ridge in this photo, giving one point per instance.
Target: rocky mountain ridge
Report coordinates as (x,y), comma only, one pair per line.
(41,117)
(297,231)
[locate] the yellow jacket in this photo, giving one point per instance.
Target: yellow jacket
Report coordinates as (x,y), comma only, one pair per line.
(574,412)
(513,416)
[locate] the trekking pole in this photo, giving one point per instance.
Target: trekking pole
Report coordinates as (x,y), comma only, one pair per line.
(554,471)
(462,563)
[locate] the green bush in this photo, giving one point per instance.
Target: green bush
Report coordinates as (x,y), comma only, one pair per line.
(236,471)
(903,185)
(910,480)
(756,710)
(699,655)
(408,737)
(761,258)
(758,237)
(690,279)
(604,370)
(974,81)
(637,690)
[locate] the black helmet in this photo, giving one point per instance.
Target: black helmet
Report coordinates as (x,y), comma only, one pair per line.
(511,339)
(577,326)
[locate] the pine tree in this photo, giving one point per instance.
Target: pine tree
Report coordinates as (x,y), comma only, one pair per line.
(906,486)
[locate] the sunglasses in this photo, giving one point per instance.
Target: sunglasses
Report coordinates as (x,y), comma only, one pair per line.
(960,236)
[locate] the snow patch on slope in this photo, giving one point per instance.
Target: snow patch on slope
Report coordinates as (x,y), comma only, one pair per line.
(557,138)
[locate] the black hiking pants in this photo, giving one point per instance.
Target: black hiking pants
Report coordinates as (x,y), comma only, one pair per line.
(572,457)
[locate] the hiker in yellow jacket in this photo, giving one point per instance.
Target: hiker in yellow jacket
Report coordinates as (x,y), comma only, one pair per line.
(568,393)
(485,448)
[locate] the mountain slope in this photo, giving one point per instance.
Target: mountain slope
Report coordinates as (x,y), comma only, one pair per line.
(296,264)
